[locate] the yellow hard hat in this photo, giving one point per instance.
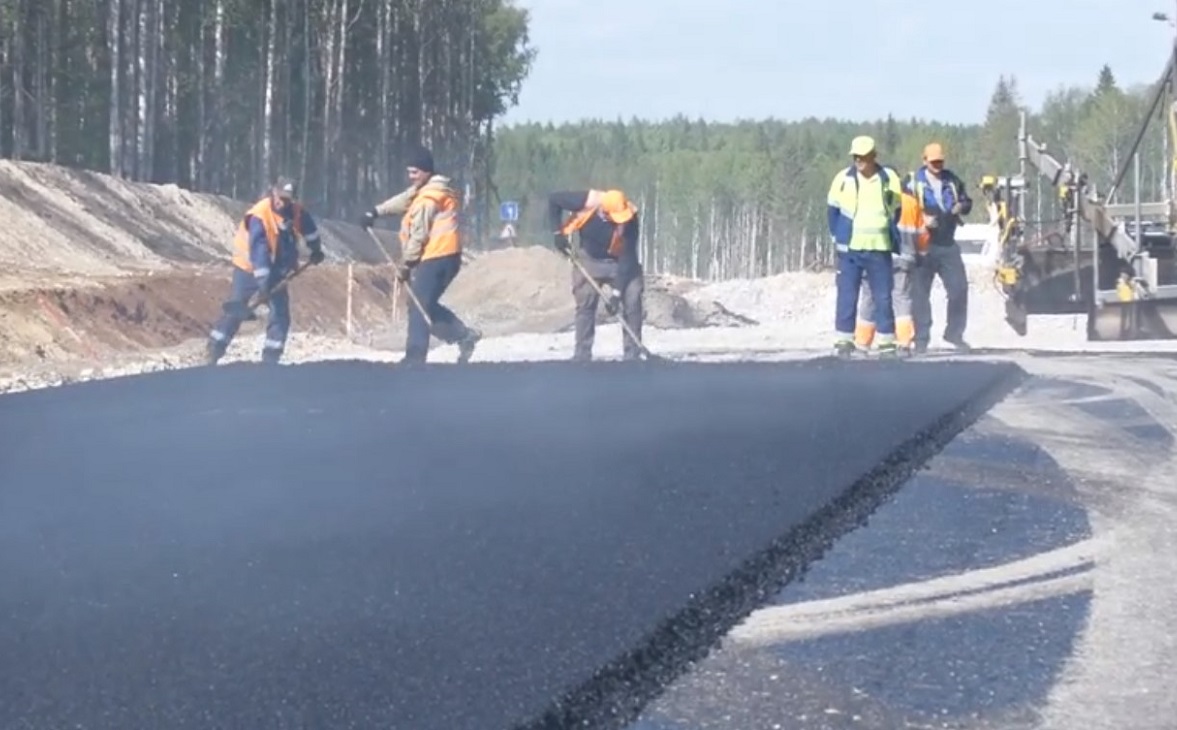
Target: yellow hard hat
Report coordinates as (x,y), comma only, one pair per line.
(862,145)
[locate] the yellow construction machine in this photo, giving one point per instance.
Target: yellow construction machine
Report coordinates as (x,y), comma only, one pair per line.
(1114,263)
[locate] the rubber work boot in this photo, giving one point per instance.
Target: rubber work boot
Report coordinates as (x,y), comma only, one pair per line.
(888,351)
(844,349)
(467,344)
(212,353)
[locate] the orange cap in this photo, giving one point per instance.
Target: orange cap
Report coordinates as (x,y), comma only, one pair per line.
(934,152)
(616,206)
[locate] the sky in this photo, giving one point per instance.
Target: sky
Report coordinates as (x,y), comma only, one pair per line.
(852,59)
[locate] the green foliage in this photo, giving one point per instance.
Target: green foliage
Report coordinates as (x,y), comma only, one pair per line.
(749,198)
(222,95)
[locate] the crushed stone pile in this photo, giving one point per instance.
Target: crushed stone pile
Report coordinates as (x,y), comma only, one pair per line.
(803,303)
(529,289)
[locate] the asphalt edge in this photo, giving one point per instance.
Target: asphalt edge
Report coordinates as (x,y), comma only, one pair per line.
(617,694)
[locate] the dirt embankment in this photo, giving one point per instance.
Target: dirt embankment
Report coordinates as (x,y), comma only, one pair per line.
(93,268)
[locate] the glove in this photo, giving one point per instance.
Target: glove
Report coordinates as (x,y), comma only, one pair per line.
(562,244)
(404,272)
(316,256)
(612,303)
(369,219)
(904,262)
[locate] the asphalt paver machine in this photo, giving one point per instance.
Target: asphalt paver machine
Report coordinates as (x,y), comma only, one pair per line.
(1113,263)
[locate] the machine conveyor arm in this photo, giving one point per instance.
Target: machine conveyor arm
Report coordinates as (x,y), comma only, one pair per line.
(1092,211)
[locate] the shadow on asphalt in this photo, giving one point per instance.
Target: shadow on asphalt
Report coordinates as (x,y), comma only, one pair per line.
(989,499)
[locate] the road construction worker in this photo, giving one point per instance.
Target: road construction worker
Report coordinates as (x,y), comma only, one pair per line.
(910,227)
(607,224)
(863,209)
(431,256)
(265,250)
(944,200)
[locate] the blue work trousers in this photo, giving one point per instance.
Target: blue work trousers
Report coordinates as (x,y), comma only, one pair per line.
(429,281)
(244,286)
(876,268)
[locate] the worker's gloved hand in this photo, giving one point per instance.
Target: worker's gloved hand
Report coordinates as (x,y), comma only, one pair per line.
(904,262)
(612,303)
(562,244)
(316,256)
(368,219)
(404,272)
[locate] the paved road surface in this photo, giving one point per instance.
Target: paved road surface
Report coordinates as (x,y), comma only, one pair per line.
(1022,581)
(344,546)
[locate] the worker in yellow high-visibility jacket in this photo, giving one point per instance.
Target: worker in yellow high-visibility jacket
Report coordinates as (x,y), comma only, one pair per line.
(864,204)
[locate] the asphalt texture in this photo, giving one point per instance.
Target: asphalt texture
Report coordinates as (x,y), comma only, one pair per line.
(348,545)
(1020,579)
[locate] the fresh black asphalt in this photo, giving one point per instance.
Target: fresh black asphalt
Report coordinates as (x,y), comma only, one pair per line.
(345,545)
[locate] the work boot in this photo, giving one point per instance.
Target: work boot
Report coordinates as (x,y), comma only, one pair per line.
(271,356)
(467,344)
(844,349)
(212,352)
(919,348)
(959,345)
(888,351)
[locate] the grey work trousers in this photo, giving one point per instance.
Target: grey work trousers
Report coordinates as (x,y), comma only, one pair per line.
(946,262)
(864,330)
(629,284)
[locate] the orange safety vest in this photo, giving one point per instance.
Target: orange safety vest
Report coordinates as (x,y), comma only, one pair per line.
(270,220)
(911,213)
(911,220)
(577,221)
(444,237)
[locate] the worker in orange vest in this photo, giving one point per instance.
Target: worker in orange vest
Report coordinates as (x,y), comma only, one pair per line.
(608,225)
(431,256)
(264,250)
(912,236)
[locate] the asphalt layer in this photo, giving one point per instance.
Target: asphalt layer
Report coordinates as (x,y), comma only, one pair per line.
(345,545)
(973,632)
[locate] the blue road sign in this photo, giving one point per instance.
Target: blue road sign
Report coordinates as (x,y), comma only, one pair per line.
(509,211)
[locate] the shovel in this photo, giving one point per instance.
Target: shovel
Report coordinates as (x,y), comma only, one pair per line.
(611,307)
(412,295)
(247,311)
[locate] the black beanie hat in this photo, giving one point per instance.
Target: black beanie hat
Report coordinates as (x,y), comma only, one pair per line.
(422,159)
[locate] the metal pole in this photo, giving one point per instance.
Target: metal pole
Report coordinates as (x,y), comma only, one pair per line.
(350,279)
(1136,195)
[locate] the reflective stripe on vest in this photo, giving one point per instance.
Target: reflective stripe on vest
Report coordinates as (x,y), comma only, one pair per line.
(444,237)
(264,212)
(873,234)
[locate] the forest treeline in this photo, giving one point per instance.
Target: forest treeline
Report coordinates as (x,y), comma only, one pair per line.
(748,199)
(223,95)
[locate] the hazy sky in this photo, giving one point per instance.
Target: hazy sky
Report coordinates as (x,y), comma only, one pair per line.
(790,59)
